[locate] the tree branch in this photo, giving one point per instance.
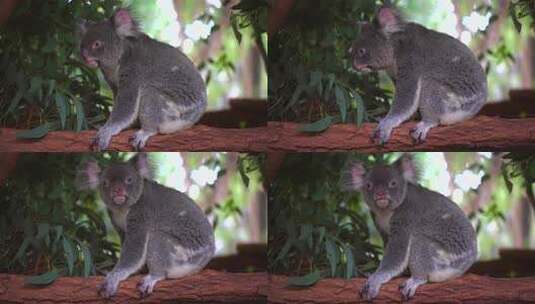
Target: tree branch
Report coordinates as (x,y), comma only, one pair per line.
(207,286)
(467,289)
(478,134)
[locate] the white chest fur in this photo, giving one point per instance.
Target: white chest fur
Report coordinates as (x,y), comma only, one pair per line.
(119,218)
(382,220)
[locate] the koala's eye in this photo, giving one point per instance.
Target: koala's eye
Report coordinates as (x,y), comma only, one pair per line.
(361,52)
(96,44)
(106,183)
(393,184)
(129,180)
(369,185)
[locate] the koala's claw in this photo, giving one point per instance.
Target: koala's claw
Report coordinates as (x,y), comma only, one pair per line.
(417,136)
(369,291)
(146,285)
(140,138)
(107,289)
(380,136)
(101,141)
(408,288)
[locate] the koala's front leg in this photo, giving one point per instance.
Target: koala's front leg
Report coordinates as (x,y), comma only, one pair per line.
(133,257)
(124,113)
(406,101)
(395,260)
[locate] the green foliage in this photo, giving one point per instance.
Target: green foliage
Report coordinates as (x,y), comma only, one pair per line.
(42,80)
(521,164)
(315,229)
(251,14)
(310,74)
(47,227)
(523,9)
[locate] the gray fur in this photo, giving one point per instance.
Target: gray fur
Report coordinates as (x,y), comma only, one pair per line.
(163,228)
(433,73)
(153,83)
(423,230)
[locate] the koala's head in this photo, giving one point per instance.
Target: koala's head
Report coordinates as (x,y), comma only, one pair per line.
(383,187)
(372,50)
(120,184)
(101,41)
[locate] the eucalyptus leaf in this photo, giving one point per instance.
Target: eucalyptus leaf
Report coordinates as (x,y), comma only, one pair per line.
(306,280)
(35,133)
(43,279)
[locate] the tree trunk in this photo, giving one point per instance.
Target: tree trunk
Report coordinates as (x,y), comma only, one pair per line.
(207,286)
(467,289)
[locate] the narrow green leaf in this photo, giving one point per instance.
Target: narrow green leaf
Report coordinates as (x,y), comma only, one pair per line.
(315,81)
(284,251)
(43,279)
(22,249)
(306,235)
(350,262)
(332,255)
(68,249)
(88,260)
(306,280)
(80,115)
(43,234)
(35,133)
(361,109)
(15,101)
(296,95)
(320,125)
(330,82)
(341,100)
(61,105)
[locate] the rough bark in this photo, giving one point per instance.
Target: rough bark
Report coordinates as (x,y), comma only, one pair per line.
(197,138)
(208,287)
(478,134)
(278,14)
(467,289)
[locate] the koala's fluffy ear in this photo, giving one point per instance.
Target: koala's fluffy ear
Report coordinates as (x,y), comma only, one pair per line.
(144,167)
(352,178)
(81,27)
(390,20)
(88,175)
(408,168)
(124,23)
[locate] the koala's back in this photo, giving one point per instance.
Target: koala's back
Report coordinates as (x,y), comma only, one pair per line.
(436,55)
(163,67)
(436,218)
(174,214)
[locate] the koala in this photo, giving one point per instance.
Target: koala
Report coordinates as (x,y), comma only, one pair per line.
(160,227)
(432,72)
(153,83)
(423,230)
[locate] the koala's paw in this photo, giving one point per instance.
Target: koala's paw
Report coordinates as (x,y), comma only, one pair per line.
(419,133)
(102,139)
(370,290)
(408,288)
(108,288)
(381,135)
(146,285)
(139,140)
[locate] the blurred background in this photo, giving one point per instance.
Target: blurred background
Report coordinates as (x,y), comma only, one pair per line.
(47,226)
(310,75)
(44,84)
(316,230)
